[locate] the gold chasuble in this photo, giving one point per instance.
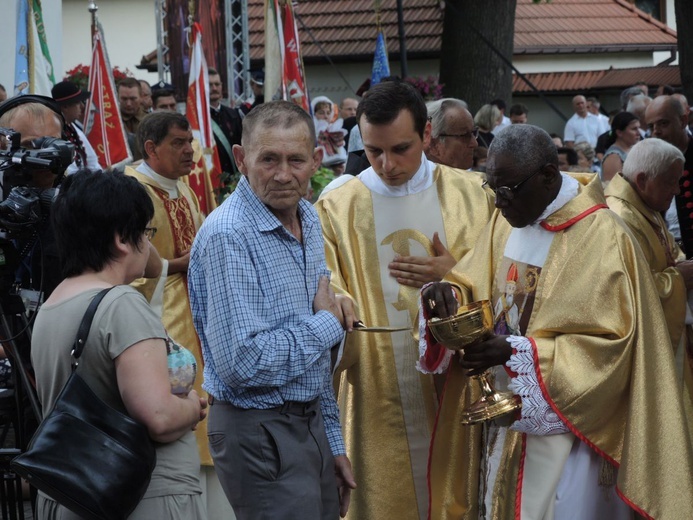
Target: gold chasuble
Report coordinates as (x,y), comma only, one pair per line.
(387,407)
(176,221)
(661,252)
(602,357)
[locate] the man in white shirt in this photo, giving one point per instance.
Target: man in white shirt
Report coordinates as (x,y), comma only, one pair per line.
(583,126)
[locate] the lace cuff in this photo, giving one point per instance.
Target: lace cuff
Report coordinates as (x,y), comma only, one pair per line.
(538,418)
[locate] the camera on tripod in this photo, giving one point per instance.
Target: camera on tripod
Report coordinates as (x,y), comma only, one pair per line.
(25,206)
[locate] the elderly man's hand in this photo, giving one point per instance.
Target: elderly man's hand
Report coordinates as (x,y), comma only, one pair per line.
(486,354)
(345,482)
(325,300)
(439,300)
(685,267)
(348,311)
(416,271)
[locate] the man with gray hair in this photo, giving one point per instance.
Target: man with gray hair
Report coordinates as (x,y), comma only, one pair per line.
(453,135)
(637,105)
(267,320)
(591,362)
(648,184)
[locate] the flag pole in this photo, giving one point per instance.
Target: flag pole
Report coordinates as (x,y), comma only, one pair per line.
(92,9)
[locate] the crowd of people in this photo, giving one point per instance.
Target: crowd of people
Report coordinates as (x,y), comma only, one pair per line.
(279,350)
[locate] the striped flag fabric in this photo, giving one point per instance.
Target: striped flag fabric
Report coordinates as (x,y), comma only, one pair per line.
(103,126)
(283,33)
(33,64)
(205,175)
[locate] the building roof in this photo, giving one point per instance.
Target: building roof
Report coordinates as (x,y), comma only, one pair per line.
(345,30)
(582,81)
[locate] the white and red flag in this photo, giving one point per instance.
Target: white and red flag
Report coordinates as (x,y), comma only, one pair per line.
(282,23)
(205,176)
(103,126)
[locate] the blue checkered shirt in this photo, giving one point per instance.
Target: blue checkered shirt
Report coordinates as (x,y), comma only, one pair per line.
(251,286)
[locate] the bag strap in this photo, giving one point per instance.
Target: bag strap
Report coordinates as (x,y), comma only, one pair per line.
(83,331)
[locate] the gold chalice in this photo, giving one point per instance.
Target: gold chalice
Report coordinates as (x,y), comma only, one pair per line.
(473,323)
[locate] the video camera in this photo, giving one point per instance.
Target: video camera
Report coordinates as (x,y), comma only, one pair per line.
(23,207)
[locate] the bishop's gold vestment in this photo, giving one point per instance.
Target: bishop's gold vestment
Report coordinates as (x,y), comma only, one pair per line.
(602,356)
(177,222)
(388,408)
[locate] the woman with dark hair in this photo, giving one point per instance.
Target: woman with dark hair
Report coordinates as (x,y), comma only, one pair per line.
(100,222)
(625,132)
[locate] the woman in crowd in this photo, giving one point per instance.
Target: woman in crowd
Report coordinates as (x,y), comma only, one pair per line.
(487,118)
(100,224)
(625,132)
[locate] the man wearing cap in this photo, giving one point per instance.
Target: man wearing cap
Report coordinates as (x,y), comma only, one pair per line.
(163,97)
(71,100)
(226,123)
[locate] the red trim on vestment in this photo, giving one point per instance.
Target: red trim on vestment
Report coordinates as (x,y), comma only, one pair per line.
(430,446)
(632,505)
(573,220)
(520,478)
(570,426)
(575,431)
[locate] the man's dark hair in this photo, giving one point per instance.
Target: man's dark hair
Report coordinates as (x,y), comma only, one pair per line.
(570,154)
(499,103)
(281,114)
(155,127)
(2,88)
(88,213)
(130,83)
(518,109)
(382,103)
(156,94)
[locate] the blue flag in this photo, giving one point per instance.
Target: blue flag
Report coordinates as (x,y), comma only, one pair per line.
(381,66)
(21,68)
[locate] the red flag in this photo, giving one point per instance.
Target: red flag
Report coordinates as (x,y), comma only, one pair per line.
(205,176)
(103,125)
(293,76)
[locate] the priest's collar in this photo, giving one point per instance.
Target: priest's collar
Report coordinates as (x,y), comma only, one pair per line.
(422,179)
(169,185)
(569,190)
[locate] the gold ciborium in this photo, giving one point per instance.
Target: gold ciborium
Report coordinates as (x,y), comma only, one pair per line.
(471,324)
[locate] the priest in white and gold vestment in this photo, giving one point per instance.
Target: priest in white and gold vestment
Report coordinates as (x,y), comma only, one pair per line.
(603,432)
(423,217)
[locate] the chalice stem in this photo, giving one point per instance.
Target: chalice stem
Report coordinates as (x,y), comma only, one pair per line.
(486,387)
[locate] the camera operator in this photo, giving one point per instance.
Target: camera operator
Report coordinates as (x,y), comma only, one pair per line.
(34,117)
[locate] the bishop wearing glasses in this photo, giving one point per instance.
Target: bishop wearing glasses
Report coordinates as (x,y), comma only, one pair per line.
(603,432)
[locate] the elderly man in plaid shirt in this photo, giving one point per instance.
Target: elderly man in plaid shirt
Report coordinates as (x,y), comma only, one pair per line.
(267,319)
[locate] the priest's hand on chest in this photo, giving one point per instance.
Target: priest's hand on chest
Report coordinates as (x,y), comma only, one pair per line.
(489,353)
(416,271)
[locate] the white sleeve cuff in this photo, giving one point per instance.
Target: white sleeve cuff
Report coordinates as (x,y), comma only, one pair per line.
(538,418)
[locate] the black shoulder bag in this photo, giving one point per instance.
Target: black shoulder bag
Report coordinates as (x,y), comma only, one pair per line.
(87,456)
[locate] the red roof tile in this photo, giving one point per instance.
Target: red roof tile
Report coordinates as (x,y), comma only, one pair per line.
(582,81)
(346,29)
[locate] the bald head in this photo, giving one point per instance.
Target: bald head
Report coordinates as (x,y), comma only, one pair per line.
(32,120)
(580,106)
(667,119)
